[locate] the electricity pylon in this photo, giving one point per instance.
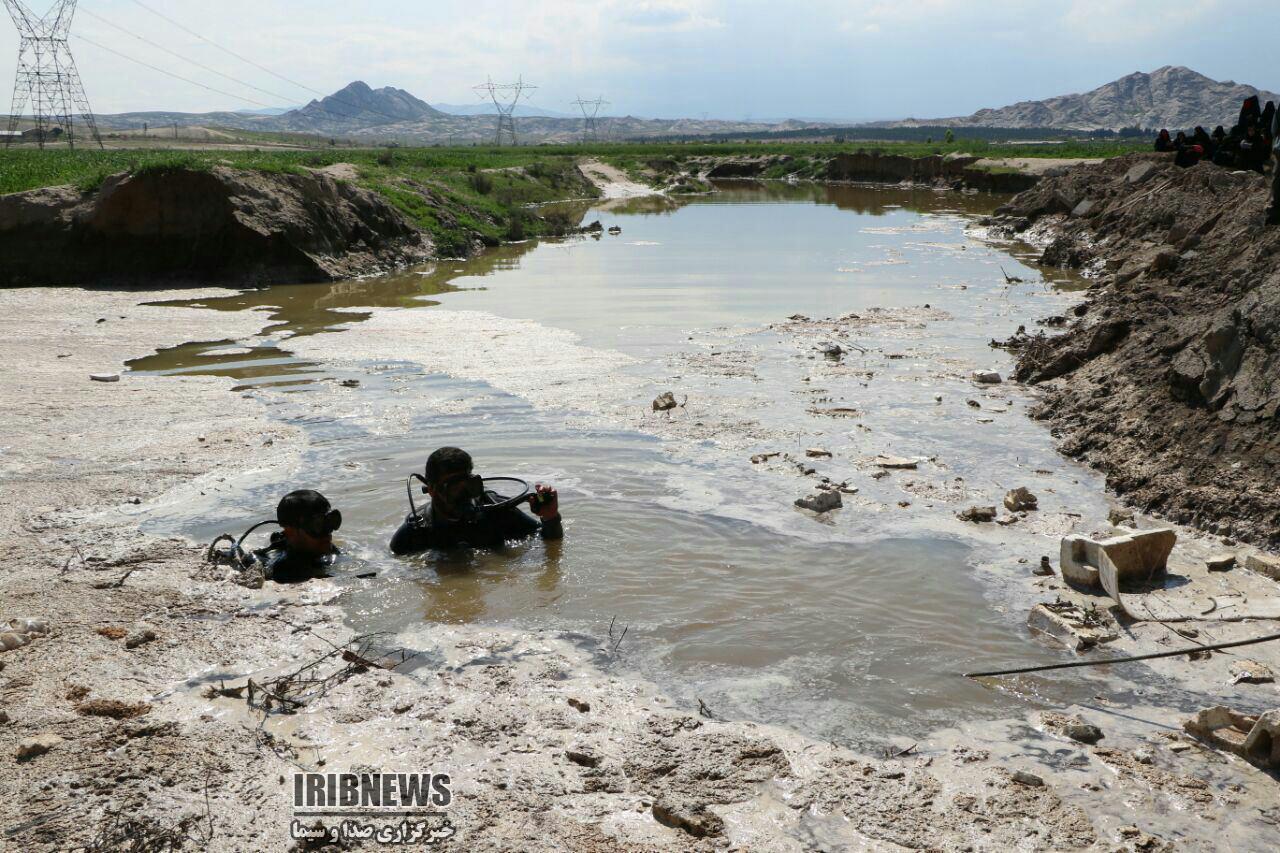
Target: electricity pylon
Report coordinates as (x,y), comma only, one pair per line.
(590,110)
(47,82)
(505,96)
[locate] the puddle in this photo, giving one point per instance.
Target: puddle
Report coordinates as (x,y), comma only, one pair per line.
(541,359)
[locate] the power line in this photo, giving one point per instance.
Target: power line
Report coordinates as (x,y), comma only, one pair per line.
(227,50)
(168,73)
(144,40)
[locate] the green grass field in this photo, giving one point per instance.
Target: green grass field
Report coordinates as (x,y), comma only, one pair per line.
(24,168)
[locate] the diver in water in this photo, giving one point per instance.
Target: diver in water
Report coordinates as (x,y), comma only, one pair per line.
(463,513)
(301,549)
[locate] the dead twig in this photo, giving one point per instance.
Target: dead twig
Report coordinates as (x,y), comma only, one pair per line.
(889,753)
(115,584)
(704,711)
(620,639)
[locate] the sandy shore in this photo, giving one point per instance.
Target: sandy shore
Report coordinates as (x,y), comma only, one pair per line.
(550,745)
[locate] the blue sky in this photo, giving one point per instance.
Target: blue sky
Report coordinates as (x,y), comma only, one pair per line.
(723,58)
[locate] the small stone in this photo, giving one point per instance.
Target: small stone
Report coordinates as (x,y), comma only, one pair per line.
(1140,173)
(104,377)
(402,707)
(986,377)
(664,402)
(1022,777)
(978,514)
(579,706)
(687,815)
(1020,500)
(1179,746)
(897,462)
(1045,569)
(1144,756)
(821,502)
(1251,672)
(974,404)
(1166,260)
(351,383)
(139,637)
(10,640)
(583,756)
(1120,517)
(4,716)
(29,748)
(1221,562)
(817,453)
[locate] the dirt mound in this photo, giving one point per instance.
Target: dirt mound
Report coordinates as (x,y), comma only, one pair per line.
(221,225)
(1169,380)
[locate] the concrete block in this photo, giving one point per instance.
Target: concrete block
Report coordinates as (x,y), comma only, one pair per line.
(1132,557)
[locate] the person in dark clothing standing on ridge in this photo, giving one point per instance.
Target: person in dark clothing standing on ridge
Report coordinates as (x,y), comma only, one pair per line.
(1163,142)
(1273,212)
(457,516)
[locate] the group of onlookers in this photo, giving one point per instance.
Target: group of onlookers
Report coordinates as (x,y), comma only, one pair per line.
(1249,145)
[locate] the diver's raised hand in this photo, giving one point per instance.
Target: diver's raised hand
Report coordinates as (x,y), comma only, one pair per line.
(545,502)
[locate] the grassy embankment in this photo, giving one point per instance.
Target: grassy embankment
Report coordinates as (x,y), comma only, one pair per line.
(453,194)
(485,191)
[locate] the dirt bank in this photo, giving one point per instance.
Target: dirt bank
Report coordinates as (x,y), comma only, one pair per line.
(1167,378)
(186,225)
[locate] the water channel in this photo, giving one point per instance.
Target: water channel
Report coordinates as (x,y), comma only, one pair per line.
(541,360)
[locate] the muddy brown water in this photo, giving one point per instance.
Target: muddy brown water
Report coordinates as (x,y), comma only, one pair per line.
(852,627)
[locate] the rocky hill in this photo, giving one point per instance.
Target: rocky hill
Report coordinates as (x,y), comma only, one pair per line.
(356,106)
(1172,97)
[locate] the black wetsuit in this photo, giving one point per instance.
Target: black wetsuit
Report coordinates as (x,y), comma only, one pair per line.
(489,530)
(281,565)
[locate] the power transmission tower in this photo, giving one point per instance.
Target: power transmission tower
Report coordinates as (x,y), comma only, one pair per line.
(590,111)
(505,96)
(47,81)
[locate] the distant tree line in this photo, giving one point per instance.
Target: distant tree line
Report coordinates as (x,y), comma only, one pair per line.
(923,133)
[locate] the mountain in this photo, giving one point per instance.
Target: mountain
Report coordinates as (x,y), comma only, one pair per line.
(488,110)
(357,105)
(364,115)
(1172,97)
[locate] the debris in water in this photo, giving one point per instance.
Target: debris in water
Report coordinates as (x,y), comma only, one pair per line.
(821,502)
(986,377)
(666,401)
(1044,569)
(978,514)
(817,453)
(1020,500)
(897,462)
(104,377)
(1079,628)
